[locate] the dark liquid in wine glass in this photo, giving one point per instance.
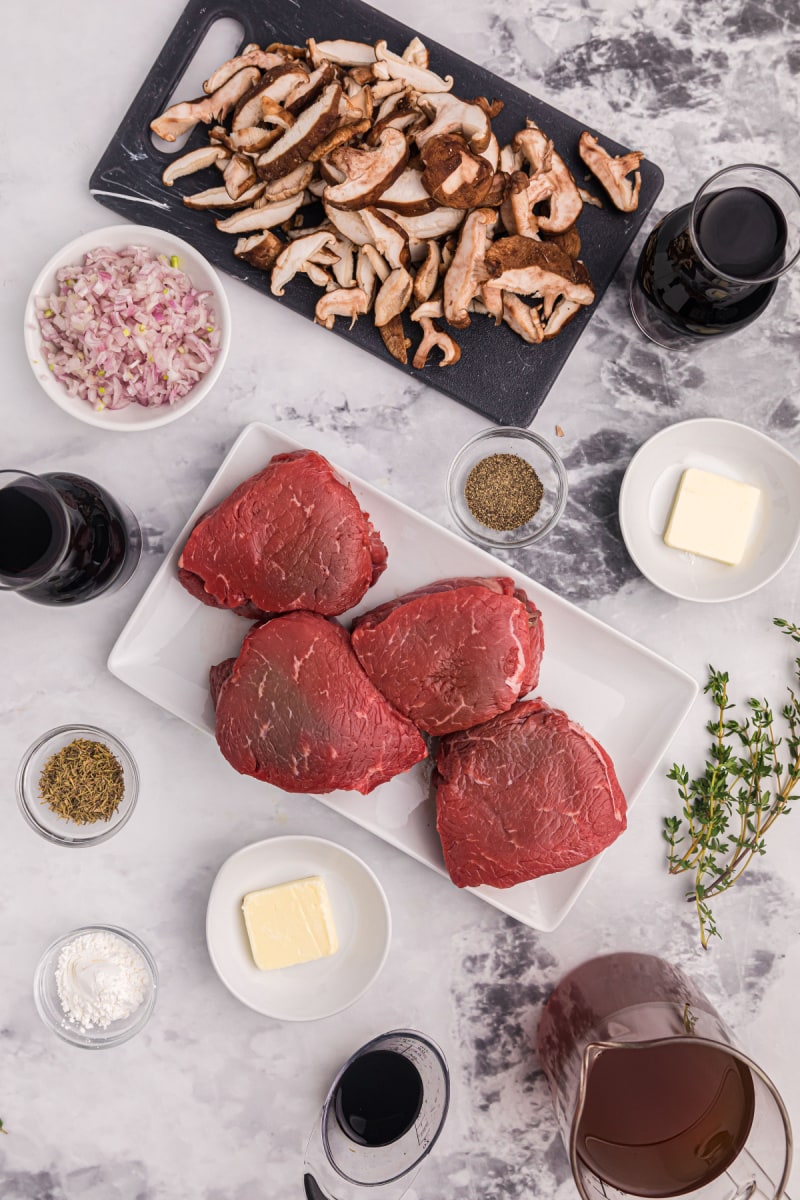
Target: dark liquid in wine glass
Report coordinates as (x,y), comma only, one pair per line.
(31,533)
(741,233)
(664,1120)
(379,1098)
(68,552)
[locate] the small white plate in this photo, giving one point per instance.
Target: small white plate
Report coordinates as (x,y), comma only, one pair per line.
(726,448)
(310,990)
(134,417)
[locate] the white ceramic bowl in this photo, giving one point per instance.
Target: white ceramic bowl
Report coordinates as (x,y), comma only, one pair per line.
(135,417)
(726,448)
(311,990)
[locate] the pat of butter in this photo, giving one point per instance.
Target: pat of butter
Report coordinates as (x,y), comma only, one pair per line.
(290,923)
(712,516)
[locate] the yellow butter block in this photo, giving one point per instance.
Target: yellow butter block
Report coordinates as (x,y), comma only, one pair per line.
(712,516)
(290,923)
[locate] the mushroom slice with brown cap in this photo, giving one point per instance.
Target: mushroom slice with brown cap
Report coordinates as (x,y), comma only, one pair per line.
(366,275)
(393,296)
(219,197)
(407,195)
(239,175)
(569,241)
(296,181)
(404,116)
(613,172)
(565,308)
(386,87)
(285,50)
(339,137)
(395,340)
(343,302)
(367,172)
(295,145)
(435,224)
(434,338)
(350,224)
(261,218)
(260,249)
(531,268)
(253,106)
(251,56)
(180,118)
(448,114)
(280,82)
(341,52)
(427,275)
(453,175)
(379,264)
(492,299)
(253,140)
(388,236)
(392,66)
(523,194)
(429,308)
(310,88)
(344,259)
(466,271)
(293,258)
(195,160)
(549,166)
(523,319)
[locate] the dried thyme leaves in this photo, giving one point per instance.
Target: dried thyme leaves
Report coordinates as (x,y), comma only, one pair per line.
(83,782)
(503,491)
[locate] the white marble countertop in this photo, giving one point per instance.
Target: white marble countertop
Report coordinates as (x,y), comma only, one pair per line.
(213,1101)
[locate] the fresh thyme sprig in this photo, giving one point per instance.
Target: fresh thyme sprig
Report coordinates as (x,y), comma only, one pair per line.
(745,787)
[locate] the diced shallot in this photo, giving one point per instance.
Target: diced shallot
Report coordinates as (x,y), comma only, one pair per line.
(127,327)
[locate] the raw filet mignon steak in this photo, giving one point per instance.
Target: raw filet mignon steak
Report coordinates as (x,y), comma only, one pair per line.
(454,653)
(526,794)
(295,709)
(292,536)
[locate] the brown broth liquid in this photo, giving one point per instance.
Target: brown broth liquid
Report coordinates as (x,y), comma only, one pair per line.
(664,1120)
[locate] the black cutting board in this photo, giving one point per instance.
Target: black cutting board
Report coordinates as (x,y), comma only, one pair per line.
(499,375)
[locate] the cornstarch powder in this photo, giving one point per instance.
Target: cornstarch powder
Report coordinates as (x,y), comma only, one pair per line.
(100,978)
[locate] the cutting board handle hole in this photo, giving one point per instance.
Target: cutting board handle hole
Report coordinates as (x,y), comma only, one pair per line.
(221,42)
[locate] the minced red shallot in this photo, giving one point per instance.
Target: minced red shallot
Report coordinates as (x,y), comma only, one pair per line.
(127,327)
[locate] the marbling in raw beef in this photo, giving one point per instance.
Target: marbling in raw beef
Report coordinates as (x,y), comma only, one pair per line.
(296,709)
(291,537)
(454,653)
(526,794)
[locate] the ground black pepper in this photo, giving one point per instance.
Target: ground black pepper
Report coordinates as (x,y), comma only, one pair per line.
(503,491)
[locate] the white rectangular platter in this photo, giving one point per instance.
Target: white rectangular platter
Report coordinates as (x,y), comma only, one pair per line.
(629,698)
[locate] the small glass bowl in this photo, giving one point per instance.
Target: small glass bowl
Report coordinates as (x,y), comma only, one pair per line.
(48,1004)
(58,829)
(536,451)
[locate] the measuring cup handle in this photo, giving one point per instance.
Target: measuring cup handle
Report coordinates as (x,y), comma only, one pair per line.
(312,1189)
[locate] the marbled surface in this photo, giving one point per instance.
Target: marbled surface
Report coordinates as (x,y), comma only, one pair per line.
(213,1101)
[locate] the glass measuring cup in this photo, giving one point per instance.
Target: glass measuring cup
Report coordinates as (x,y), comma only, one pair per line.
(652,1096)
(380,1119)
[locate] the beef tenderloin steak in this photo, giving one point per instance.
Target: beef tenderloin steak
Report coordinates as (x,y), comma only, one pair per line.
(454,653)
(526,794)
(296,710)
(291,537)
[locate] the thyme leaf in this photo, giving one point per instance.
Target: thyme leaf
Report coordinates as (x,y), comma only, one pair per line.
(748,780)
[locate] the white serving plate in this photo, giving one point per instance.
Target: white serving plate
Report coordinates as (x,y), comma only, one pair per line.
(603,679)
(725,448)
(134,418)
(308,991)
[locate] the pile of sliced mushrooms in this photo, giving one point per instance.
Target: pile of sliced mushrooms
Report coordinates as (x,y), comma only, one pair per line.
(425,212)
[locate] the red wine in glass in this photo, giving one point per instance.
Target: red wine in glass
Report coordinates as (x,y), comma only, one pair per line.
(711,267)
(63,538)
